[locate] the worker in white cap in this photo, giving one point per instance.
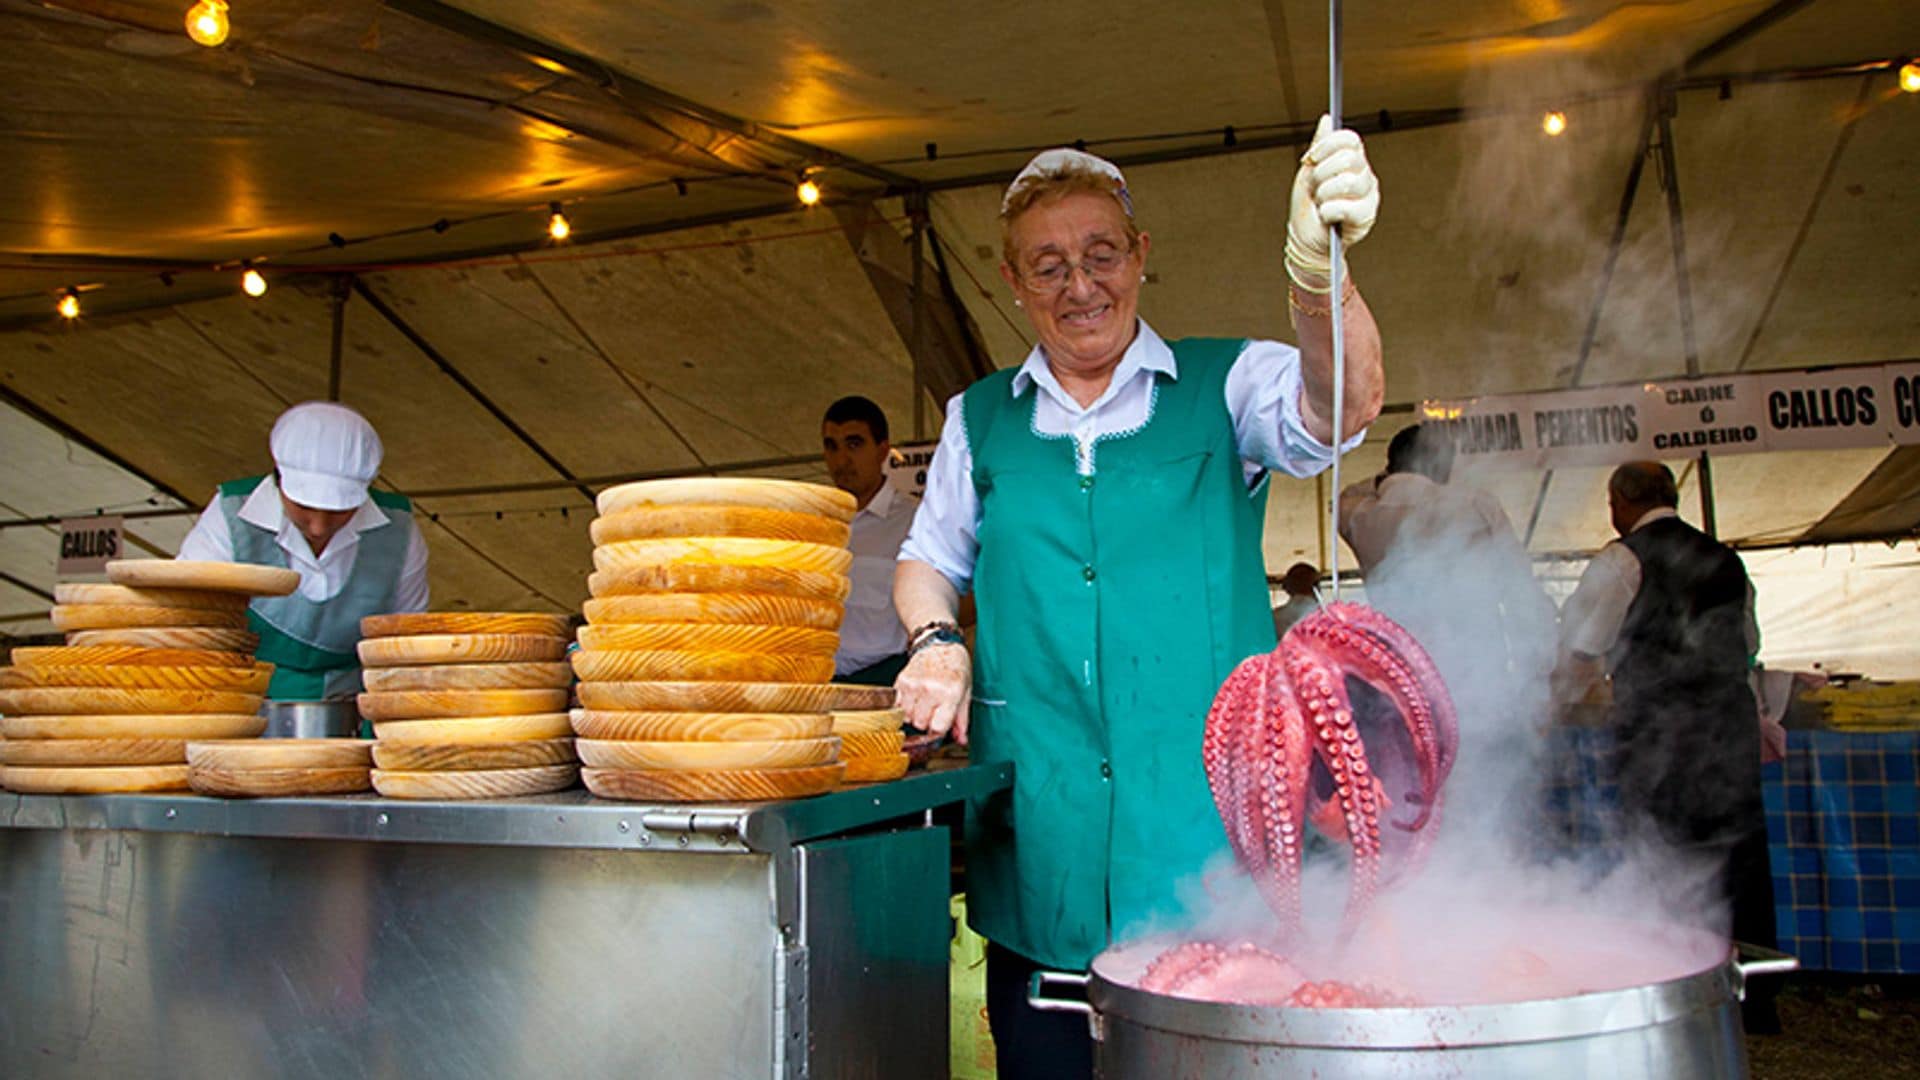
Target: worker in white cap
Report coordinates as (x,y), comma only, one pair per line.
(358,551)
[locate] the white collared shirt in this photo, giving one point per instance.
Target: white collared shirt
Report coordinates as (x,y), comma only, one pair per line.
(1373,514)
(871,631)
(1591,619)
(1263,399)
(322,576)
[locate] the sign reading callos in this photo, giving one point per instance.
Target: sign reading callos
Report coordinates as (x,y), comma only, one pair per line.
(1817,409)
(907,468)
(87,543)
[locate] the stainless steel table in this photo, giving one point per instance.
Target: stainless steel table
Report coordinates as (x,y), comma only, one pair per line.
(553,936)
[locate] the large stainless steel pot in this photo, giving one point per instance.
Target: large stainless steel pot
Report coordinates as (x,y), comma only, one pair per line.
(338,719)
(1684,1027)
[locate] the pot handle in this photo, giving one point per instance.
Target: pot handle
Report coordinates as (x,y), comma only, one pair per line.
(1751,960)
(1037,992)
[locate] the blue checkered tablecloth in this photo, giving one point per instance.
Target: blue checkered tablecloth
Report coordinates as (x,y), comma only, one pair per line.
(1843,831)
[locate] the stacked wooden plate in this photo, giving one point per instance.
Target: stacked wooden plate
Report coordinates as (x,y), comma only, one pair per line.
(158,658)
(705,663)
(871,744)
(467,705)
(245,768)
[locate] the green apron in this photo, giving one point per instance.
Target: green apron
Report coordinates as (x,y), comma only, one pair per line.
(1112,605)
(306,641)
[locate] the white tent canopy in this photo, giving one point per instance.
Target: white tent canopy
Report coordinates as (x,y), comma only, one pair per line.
(706,330)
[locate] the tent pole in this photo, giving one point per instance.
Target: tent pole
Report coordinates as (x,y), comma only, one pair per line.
(1683,284)
(917,211)
(341,289)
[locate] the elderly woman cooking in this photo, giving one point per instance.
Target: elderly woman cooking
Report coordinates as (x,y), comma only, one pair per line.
(1104,503)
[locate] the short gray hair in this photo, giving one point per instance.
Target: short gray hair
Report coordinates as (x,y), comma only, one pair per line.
(1644,483)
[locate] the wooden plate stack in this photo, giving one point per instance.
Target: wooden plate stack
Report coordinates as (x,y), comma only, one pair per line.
(246,768)
(467,705)
(871,744)
(705,663)
(157,658)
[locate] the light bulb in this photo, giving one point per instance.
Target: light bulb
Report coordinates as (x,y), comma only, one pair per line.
(253,282)
(1554,122)
(69,305)
(809,192)
(207,22)
(557,226)
(1910,77)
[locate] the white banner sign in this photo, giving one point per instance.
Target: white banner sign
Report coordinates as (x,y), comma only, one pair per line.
(86,544)
(1820,409)
(907,470)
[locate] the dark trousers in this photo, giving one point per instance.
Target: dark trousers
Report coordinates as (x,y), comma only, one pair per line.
(1749,887)
(878,673)
(1028,1043)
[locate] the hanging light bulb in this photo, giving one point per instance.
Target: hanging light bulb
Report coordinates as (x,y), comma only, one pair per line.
(253,282)
(808,191)
(1554,122)
(1910,77)
(207,22)
(557,226)
(69,305)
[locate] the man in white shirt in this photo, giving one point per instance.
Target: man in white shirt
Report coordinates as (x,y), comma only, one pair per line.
(855,438)
(358,552)
(1300,584)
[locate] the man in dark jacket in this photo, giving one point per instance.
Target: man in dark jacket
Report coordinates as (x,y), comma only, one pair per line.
(1669,611)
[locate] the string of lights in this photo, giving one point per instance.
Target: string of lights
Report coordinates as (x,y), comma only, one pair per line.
(208,23)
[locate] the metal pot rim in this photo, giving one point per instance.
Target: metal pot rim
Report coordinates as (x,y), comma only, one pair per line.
(1422,1027)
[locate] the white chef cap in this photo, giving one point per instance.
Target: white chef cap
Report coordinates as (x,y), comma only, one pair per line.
(1051,163)
(327,454)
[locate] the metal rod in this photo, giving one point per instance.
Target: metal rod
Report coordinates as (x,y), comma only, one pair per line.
(26,585)
(426,349)
(1683,287)
(917,210)
(1779,10)
(1337,313)
(340,292)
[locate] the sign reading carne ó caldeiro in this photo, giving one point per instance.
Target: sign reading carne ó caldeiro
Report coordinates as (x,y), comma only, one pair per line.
(1816,409)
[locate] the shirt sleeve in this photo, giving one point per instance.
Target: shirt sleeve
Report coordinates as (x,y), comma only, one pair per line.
(1591,620)
(209,540)
(1263,397)
(412,593)
(946,528)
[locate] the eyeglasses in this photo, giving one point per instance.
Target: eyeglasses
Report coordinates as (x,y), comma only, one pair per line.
(1101,262)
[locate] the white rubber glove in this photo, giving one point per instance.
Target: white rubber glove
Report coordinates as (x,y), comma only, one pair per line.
(1334,186)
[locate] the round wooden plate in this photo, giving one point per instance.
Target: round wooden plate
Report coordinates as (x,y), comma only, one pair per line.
(473,730)
(737,754)
(141,617)
(713,577)
(762,609)
(135,726)
(695,727)
(142,677)
(872,770)
(724,550)
(597,666)
(708,637)
(474,783)
(69,700)
(178,637)
(553,675)
(846,723)
(442,757)
(864,744)
(711,785)
(124,655)
(278,783)
(660,522)
(719,697)
(92,780)
(93,752)
(218,576)
(794,495)
(248,755)
(465,622)
(848,697)
(460,649)
(123,596)
(439,704)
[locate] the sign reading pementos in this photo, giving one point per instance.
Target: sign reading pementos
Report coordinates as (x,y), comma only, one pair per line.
(1816,409)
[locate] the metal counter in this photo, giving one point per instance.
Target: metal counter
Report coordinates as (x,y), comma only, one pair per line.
(173,935)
